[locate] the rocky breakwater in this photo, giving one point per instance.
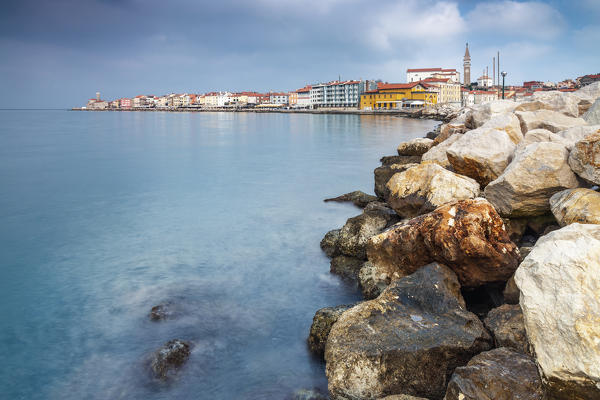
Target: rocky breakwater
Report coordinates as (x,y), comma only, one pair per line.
(478,261)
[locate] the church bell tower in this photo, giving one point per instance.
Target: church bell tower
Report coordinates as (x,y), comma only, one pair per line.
(467,67)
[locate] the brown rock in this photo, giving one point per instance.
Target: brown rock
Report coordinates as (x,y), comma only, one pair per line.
(468,236)
(383,175)
(389,160)
(415,147)
(499,374)
(506,325)
(321,325)
(585,158)
(358,198)
(511,292)
(345,266)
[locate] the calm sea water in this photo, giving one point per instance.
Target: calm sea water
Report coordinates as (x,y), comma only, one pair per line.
(103,215)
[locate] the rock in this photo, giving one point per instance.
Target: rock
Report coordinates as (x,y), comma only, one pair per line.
(358,198)
(559,283)
(585,158)
(480,114)
(372,281)
(346,267)
(161,312)
(499,374)
(591,91)
(592,116)
(329,243)
(562,102)
(481,154)
(321,325)
(168,359)
(540,223)
(383,175)
(357,230)
(402,397)
(408,340)
(308,394)
(511,292)
(506,122)
(468,236)
(544,135)
(574,135)
(448,130)
(507,327)
(546,119)
(415,147)
(576,205)
(389,160)
(536,172)
(423,188)
(437,154)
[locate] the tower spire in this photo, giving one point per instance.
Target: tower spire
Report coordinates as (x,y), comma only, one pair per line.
(467,67)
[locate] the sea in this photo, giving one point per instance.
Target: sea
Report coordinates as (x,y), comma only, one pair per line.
(104,215)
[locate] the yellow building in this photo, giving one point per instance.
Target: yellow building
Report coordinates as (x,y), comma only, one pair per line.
(393,96)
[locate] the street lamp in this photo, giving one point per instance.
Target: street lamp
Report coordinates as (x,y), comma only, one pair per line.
(503,75)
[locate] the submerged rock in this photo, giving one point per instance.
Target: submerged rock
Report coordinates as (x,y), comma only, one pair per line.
(415,147)
(507,327)
(585,158)
(169,358)
(308,394)
(408,340)
(576,205)
(321,325)
(161,312)
(559,283)
(423,188)
(499,374)
(537,172)
(358,198)
(468,236)
(481,154)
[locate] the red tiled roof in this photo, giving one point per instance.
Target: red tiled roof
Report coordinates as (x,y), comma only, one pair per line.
(431,70)
(398,85)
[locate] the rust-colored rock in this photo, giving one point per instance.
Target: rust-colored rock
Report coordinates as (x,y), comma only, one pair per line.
(468,236)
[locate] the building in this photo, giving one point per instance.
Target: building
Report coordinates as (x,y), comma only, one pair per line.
(337,94)
(484,81)
(161,102)
(395,96)
(587,79)
(472,97)
(278,98)
(303,97)
(467,67)
(532,85)
(125,103)
(447,90)
(418,74)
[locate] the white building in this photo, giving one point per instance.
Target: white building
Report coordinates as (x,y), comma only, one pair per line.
(484,81)
(217,99)
(337,94)
(418,74)
(279,98)
(473,97)
(303,97)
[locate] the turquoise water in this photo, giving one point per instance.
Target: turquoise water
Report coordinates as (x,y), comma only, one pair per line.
(103,215)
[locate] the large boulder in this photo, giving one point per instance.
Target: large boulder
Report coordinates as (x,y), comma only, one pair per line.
(346,267)
(468,236)
(423,188)
(544,135)
(354,234)
(358,198)
(372,280)
(408,340)
(499,374)
(481,113)
(383,175)
(321,325)
(576,205)
(482,154)
(574,135)
(506,122)
(562,102)
(447,130)
(592,116)
(415,147)
(167,360)
(536,172)
(507,327)
(585,158)
(560,298)
(546,119)
(437,154)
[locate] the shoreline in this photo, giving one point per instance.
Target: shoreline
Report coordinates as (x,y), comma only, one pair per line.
(416,114)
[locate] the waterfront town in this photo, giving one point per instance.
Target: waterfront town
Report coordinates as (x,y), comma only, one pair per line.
(424,87)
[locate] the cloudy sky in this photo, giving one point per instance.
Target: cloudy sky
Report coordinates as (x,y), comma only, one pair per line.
(59,53)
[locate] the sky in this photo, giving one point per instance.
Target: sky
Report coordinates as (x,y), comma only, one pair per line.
(59,53)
